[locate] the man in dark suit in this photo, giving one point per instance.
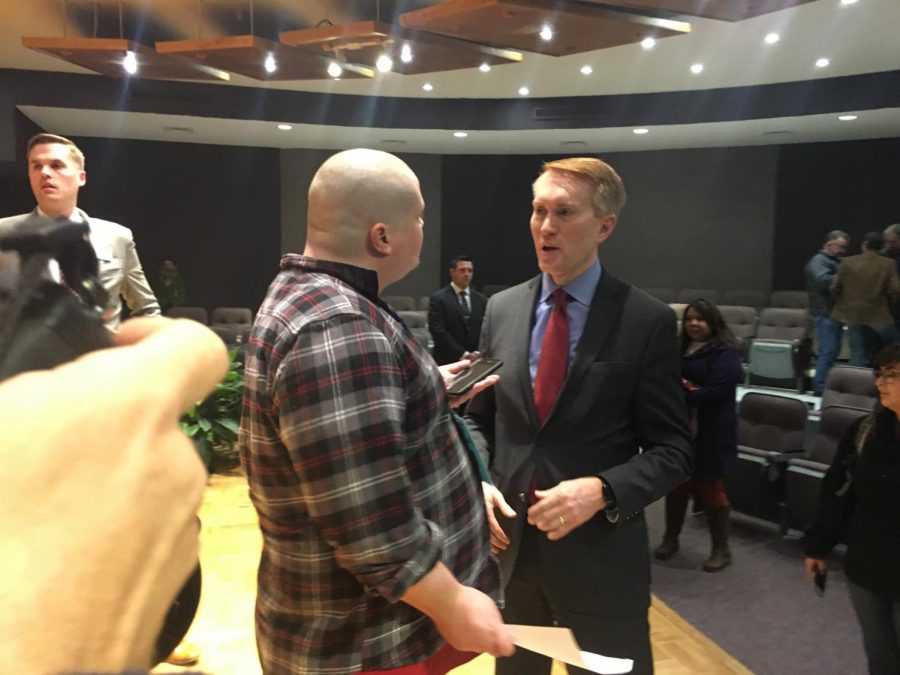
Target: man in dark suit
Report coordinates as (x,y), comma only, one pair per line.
(586,427)
(455,314)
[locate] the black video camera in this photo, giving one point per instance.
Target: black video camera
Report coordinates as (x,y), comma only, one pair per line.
(44,323)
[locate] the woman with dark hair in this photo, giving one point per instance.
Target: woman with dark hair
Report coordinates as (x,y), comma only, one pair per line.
(860,504)
(710,371)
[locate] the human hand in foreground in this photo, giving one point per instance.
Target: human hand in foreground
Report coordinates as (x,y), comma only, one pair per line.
(466,618)
(566,506)
(451,370)
(98,529)
(494,501)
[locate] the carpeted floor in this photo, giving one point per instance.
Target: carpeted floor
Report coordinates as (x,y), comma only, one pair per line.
(761,610)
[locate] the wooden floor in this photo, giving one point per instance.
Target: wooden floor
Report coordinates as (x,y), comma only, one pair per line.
(223,629)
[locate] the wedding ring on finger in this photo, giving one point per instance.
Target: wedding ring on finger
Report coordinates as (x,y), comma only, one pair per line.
(562,521)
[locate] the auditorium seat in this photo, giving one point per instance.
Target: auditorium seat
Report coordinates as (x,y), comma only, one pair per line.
(423,303)
(769,427)
(790,299)
(400,303)
(417,321)
(195,313)
(850,386)
(742,322)
(232,324)
(690,294)
(780,353)
(803,475)
(745,298)
(665,295)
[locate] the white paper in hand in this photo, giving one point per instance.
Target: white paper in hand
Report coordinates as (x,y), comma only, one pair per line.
(559,644)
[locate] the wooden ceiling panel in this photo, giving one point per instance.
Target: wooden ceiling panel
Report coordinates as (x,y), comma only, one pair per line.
(517,24)
(364,42)
(723,10)
(105,56)
(247,55)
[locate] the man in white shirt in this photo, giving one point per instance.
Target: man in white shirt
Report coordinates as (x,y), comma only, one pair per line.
(455,313)
(56,173)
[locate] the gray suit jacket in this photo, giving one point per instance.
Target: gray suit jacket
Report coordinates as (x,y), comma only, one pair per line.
(120,268)
(620,413)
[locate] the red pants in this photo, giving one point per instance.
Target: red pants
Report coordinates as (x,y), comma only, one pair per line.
(710,491)
(441,662)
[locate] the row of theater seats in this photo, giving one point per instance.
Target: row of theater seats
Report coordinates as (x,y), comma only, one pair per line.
(232,324)
(776,342)
(745,298)
(784,450)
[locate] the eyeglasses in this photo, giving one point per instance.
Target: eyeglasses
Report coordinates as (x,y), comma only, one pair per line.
(887,375)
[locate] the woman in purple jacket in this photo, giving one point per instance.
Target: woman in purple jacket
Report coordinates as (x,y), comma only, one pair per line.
(710,371)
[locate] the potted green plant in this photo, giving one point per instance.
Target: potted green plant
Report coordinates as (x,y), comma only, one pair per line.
(212,424)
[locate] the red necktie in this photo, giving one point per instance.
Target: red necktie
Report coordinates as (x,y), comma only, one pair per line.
(554,357)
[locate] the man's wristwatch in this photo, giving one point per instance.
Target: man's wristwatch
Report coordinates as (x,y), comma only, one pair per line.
(611,509)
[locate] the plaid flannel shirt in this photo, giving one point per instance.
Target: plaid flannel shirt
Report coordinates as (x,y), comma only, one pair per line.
(359,476)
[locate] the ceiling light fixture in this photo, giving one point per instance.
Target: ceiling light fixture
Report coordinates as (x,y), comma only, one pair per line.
(384,63)
(270,64)
(772,38)
(484,68)
(428,86)
(640,132)
(847,118)
(129,63)
(822,63)
(648,43)
(524,91)
(848,2)
(334,69)
(406,53)
(285,127)
(697,68)
(460,134)
(586,70)
(546,33)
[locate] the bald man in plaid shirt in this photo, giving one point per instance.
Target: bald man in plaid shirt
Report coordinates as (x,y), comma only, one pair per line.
(376,552)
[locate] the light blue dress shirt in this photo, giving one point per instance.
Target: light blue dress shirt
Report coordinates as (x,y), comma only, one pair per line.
(581,293)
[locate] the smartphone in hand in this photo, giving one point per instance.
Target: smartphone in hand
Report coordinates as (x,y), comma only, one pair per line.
(476,372)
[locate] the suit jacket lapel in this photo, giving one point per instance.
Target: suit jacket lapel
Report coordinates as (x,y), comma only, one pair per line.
(606,307)
(522,322)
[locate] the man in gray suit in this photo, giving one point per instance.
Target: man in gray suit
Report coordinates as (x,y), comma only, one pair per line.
(586,427)
(56,173)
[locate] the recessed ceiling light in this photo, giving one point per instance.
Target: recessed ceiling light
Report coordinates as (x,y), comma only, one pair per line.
(524,91)
(428,86)
(285,127)
(460,134)
(406,53)
(546,33)
(129,63)
(334,69)
(648,43)
(822,63)
(772,38)
(697,68)
(484,68)
(640,132)
(384,63)
(271,65)
(848,2)
(586,70)
(847,118)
